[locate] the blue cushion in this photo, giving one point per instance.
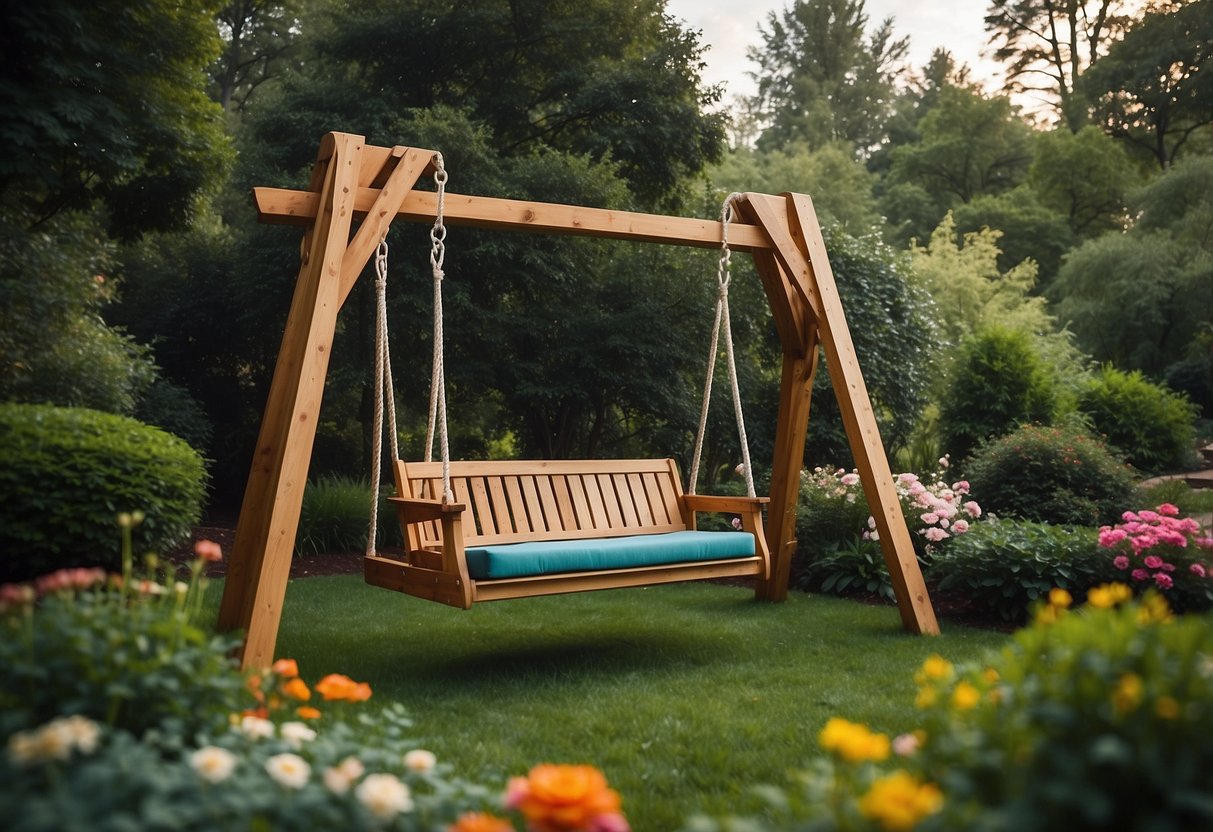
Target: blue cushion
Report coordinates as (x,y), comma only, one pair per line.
(547,557)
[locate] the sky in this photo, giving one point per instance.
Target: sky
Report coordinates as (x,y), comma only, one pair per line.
(729,27)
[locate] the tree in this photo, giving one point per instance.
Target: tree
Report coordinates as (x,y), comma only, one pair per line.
(1049,44)
(821,80)
(1154,89)
(1084,176)
(970,146)
(259,36)
(1030,231)
(104,102)
(1140,298)
(610,79)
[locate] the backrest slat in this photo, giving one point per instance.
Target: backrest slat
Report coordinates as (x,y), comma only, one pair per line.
(549,499)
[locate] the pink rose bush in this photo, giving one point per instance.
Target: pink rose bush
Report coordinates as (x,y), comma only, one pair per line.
(1162,550)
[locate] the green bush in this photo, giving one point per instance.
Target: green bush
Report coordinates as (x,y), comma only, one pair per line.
(998,382)
(170,406)
(1099,719)
(66,473)
(336,516)
(1004,567)
(1149,424)
(857,567)
(1057,475)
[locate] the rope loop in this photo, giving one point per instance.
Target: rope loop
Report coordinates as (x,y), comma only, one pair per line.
(437,416)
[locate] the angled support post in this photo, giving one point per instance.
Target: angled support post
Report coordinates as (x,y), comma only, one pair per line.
(259,564)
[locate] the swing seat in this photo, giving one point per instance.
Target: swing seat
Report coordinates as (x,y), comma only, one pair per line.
(524,528)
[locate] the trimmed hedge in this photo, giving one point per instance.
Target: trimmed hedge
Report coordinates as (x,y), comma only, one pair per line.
(65,474)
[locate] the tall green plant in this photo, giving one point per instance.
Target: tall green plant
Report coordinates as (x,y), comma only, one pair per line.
(1149,424)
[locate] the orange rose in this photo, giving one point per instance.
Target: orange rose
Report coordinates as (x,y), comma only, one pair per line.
(297,689)
(562,798)
(336,688)
(480,822)
(307,712)
(286,668)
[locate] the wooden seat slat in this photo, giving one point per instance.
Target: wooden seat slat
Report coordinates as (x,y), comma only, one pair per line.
(484,511)
(624,492)
(501,507)
(564,502)
(644,515)
(534,509)
(547,500)
(611,500)
(593,495)
(581,503)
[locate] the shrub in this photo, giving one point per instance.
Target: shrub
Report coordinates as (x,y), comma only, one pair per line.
(336,515)
(835,520)
(998,382)
(64,475)
(170,406)
(1149,424)
(1096,719)
(1058,475)
(1004,567)
(1162,550)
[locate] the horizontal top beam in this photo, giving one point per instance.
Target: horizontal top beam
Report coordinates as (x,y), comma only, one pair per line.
(289,207)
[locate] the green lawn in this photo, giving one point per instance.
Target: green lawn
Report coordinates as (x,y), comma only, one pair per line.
(684,695)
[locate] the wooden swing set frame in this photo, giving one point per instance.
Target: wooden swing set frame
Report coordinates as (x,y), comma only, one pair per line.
(352,180)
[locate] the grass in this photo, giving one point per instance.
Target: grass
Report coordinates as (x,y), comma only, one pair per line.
(684,695)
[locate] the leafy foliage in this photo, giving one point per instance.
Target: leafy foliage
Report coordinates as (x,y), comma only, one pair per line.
(54,346)
(822,79)
(336,515)
(856,567)
(64,475)
(998,382)
(1153,89)
(105,103)
(1055,475)
(1149,424)
(1084,177)
(1005,567)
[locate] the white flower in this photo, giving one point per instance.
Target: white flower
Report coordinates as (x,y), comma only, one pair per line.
(420,761)
(23,748)
(289,770)
(181,587)
(82,733)
(339,779)
(212,764)
(384,795)
(905,745)
(296,734)
(256,728)
(943,462)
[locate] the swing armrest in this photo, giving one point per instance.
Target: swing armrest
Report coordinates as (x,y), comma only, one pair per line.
(724,504)
(422,510)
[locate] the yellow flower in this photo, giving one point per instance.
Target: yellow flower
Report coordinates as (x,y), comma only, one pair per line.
(935,667)
(897,802)
(1167,708)
(926,698)
(853,742)
(965,697)
(1153,608)
(1106,596)
(1128,692)
(1058,597)
(990,675)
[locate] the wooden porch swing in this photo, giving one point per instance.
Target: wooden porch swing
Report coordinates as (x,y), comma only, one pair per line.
(452,509)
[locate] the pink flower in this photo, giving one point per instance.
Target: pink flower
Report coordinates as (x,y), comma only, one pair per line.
(972,509)
(935,534)
(961,487)
(736,523)
(1110,537)
(1168,509)
(1198,569)
(850,479)
(1121,562)
(1168,567)
(1129,516)
(208,550)
(1205,542)
(1148,516)
(1140,574)
(1163,580)
(1153,562)
(943,462)
(929,518)
(907,479)
(960,526)
(609,822)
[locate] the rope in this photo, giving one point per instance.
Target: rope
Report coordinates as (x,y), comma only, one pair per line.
(385,397)
(437,374)
(722,318)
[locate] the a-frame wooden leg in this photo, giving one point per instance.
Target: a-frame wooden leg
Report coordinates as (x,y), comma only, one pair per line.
(260,561)
(792,225)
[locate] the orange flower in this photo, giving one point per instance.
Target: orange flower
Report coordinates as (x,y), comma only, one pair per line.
(296,688)
(307,712)
(561,798)
(286,668)
(253,683)
(336,687)
(480,822)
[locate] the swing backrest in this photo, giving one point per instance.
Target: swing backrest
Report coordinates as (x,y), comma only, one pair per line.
(517,501)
